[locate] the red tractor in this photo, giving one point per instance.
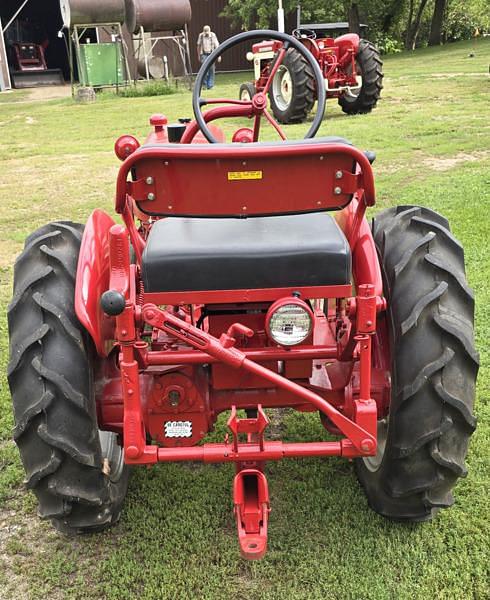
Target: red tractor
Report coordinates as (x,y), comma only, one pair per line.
(229,287)
(351,68)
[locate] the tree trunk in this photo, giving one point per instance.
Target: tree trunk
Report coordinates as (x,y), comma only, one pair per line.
(392,12)
(414,29)
(437,23)
(354,19)
(409,25)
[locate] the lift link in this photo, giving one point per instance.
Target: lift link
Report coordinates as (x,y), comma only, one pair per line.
(366,327)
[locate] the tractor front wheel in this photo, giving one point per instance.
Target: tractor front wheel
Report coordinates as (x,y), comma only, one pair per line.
(247,91)
(76,471)
(424,440)
(369,66)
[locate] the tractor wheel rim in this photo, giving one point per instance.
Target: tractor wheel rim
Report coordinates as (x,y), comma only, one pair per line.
(282,88)
(112,455)
(373,462)
(245,95)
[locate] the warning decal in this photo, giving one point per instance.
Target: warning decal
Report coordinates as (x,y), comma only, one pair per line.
(178,429)
(241,175)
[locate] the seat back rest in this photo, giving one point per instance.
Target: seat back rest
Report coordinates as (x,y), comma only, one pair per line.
(243,180)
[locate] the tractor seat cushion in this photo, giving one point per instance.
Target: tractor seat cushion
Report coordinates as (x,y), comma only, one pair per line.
(200,254)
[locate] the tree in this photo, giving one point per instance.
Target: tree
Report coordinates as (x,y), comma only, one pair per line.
(436,26)
(413,27)
(354,19)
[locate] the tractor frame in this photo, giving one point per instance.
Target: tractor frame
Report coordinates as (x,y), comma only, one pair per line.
(139,387)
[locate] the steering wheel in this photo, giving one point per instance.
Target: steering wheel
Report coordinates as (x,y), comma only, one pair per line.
(303,33)
(256,106)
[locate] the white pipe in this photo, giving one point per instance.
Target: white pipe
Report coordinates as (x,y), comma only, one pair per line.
(280,18)
(16,14)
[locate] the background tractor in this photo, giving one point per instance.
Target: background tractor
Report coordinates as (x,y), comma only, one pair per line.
(351,68)
(230,288)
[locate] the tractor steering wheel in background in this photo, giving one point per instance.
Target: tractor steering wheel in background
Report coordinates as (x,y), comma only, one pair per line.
(302,33)
(257,106)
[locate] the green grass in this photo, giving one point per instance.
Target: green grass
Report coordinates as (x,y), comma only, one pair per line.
(177,538)
(142,90)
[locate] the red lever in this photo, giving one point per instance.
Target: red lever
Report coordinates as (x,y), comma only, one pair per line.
(228,339)
(251,500)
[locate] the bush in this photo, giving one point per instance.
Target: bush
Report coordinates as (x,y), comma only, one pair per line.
(387,44)
(150,88)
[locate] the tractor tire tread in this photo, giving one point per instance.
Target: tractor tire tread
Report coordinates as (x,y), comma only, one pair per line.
(50,358)
(372,81)
(303,98)
(435,364)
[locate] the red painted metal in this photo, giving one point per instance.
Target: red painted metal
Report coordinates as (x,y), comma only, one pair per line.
(92,281)
(365,263)
(248,452)
(220,112)
(125,145)
(235,358)
(244,135)
(178,396)
(288,179)
(258,354)
(257,295)
(251,502)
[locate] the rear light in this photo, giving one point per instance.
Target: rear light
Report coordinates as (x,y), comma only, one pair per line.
(289,321)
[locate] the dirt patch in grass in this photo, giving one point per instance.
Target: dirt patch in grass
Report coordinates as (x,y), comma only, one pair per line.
(50,92)
(446,163)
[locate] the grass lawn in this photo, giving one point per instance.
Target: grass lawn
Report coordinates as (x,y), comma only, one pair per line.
(176,538)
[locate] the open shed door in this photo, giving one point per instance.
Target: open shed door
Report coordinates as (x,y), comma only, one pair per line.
(5,83)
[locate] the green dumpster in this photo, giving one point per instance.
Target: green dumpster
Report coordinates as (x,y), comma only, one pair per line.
(101,64)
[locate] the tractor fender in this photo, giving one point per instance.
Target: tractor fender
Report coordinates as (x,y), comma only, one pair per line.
(349,40)
(365,262)
(93,273)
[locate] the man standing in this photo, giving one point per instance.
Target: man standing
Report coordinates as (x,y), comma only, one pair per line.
(207,42)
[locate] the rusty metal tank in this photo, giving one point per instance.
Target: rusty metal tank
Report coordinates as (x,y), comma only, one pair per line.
(157,15)
(85,12)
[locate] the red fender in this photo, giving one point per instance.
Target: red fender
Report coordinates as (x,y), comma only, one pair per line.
(365,262)
(92,281)
(347,41)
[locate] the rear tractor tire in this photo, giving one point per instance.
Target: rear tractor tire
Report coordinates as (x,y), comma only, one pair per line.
(423,442)
(292,93)
(370,66)
(76,471)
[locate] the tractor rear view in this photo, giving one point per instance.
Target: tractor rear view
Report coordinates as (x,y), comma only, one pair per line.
(229,287)
(351,68)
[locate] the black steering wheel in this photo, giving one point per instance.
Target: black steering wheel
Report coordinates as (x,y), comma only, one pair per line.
(257,104)
(302,33)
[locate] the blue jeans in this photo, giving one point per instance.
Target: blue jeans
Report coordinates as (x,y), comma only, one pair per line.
(209,78)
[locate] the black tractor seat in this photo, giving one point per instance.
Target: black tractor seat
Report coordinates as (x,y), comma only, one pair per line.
(198,254)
